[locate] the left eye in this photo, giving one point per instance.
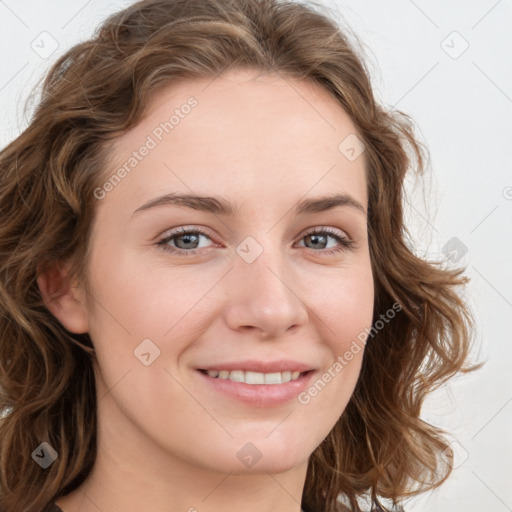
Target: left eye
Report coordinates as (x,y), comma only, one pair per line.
(187,241)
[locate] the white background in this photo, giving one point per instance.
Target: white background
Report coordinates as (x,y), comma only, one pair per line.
(462,105)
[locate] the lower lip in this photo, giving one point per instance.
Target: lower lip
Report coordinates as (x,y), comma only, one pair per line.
(260,395)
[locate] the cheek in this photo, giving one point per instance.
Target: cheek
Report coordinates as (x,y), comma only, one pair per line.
(346,315)
(142,299)
(138,309)
(345,302)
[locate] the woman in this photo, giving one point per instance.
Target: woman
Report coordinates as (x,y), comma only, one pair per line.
(208,297)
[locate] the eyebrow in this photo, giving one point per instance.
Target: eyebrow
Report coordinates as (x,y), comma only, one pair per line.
(220,206)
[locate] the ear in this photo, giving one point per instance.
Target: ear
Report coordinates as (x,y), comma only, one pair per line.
(63,297)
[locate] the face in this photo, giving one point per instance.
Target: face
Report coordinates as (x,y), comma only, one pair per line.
(259,284)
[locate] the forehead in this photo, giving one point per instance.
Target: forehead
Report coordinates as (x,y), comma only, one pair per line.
(242,131)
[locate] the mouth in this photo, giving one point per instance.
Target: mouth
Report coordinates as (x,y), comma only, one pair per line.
(254,388)
(255,378)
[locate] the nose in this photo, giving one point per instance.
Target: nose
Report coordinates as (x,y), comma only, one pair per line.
(263,297)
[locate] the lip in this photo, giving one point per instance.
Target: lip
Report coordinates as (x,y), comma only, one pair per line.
(283,365)
(259,395)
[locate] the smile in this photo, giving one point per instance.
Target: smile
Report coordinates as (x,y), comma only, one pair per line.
(249,377)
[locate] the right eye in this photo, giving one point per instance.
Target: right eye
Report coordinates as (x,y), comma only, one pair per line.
(183,241)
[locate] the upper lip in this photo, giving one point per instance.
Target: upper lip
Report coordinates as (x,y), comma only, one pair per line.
(261,366)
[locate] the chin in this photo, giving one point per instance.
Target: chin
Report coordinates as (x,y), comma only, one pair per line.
(269,464)
(261,455)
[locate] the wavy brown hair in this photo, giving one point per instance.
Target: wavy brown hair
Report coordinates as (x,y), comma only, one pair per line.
(99,89)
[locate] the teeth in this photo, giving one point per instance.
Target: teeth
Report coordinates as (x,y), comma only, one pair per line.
(237,375)
(254,377)
(273,378)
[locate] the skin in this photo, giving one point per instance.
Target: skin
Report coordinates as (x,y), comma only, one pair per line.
(167,440)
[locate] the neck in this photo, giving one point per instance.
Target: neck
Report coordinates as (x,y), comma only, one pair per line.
(133,473)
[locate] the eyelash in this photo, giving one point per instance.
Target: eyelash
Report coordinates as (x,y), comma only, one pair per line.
(345,242)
